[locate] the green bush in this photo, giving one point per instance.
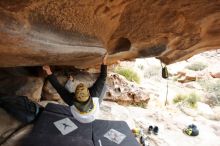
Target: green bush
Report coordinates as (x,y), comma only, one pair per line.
(192,100)
(197,66)
(129,74)
(179,98)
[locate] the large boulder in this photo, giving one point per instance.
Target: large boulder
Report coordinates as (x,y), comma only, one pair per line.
(17,138)
(118,88)
(215,75)
(122,91)
(8,125)
(49,93)
(22,86)
(74,33)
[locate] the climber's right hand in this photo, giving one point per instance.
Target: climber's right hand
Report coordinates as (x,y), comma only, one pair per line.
(47,69)
(104,59)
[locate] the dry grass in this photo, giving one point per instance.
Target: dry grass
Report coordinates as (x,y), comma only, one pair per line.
(129,74)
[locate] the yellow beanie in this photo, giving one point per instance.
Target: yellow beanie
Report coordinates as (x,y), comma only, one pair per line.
(82,93)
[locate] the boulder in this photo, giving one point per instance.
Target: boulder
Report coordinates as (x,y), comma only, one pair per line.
(22,86)
(118,88)
(214,68)
(49,93)
(17,138)
(122,91)
(215,75)
(187,76)
(8,125)
(77,33)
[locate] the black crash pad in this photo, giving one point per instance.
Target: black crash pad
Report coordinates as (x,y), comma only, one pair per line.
(45,133)
(101,127)
(59,140)
(59,109)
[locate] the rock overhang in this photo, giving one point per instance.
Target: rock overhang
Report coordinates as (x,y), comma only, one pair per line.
(78,33)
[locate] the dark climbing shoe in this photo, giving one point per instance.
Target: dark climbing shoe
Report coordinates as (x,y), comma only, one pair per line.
(156,130)
(142,139)
(191,130)
(150,129)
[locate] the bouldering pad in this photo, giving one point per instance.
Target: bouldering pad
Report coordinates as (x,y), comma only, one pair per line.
(46,133)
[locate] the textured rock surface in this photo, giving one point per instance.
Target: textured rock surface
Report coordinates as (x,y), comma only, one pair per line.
(18,81)
(70,31)
(122,91)
(22,86)
(49,93)
(118,89)
(17,137)
(8,125)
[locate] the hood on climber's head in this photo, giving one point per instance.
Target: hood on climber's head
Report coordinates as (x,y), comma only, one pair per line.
(82,93)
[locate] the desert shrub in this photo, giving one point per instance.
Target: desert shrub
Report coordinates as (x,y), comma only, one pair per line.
(129,74)
(212,86)
(189,99)
(179,98)
(192,100)
(197,66)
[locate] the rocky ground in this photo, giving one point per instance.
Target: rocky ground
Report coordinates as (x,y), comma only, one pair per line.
(170,120)
(181,79)
(173,118)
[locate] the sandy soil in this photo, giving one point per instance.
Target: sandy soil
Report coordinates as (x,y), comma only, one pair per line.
(170,120)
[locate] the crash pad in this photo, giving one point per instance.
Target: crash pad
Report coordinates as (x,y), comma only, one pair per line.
(101,127)
(46,133)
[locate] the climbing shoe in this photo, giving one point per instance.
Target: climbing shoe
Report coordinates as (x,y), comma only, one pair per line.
(144,141)
(156,130)
(150,129)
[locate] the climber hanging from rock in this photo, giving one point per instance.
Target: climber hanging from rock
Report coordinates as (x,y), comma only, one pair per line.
(84,102)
